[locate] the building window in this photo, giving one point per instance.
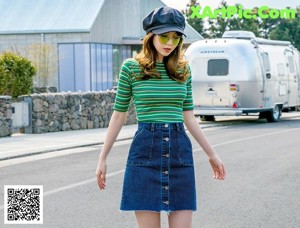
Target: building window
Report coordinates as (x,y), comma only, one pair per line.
(91,66)
(85,67)
(66,67)
(82,67)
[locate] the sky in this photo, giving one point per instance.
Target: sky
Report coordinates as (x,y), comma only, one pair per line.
(248,4)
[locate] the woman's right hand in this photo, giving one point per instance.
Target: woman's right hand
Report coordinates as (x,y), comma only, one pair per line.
(218,167)
(101,174)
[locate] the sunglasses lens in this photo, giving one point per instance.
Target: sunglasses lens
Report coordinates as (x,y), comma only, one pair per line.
(176,40)
(163,39)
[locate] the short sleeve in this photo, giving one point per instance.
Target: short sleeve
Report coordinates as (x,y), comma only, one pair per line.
(188,101)
(124,89)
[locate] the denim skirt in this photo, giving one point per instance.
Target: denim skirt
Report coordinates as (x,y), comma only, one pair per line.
(159,173)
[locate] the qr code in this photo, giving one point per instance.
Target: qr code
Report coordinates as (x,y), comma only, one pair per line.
(23,204)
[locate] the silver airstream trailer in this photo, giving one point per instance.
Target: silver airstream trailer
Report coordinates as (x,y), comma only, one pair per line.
(240,74)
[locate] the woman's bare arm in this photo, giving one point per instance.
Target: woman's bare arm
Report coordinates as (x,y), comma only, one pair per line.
(115,125)
(196,131)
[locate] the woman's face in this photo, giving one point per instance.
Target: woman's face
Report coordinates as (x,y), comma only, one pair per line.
(165,43)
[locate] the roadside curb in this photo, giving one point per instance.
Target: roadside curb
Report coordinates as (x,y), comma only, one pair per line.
(58,149)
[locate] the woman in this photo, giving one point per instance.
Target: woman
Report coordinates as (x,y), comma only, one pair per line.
(159,173)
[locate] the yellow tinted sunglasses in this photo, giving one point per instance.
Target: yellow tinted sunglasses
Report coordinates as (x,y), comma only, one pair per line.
(164,38)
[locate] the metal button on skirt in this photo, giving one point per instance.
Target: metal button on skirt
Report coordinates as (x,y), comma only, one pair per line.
(159,173)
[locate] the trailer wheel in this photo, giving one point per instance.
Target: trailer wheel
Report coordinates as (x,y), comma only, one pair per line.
(274,115)
(207,118)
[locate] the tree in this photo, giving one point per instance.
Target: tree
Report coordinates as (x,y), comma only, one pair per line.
(16,75)
(221,24)
(217,26)
(266,25)
(196,23)
(289,30)
(246,24)
(269,28)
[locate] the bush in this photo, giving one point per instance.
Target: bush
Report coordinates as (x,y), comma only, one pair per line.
(16,75)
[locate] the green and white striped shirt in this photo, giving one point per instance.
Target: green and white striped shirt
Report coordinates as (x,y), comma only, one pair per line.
(155,100)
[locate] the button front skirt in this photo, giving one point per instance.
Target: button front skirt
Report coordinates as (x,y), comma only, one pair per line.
(159,173)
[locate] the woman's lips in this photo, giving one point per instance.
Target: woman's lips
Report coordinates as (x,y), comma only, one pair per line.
(167,49)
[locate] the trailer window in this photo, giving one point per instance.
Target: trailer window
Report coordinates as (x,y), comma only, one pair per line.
(266,61)
(217,67)
(291,64)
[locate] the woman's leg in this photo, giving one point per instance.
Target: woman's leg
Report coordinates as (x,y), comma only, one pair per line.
(148,219)
(180,219)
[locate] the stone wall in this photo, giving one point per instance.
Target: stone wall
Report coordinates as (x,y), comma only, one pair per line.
(5,116)
(52,112)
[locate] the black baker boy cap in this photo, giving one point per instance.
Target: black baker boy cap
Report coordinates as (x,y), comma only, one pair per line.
(164,19)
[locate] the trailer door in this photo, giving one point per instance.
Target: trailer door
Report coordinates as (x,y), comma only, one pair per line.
(218,88)
(210,82)
(292,78)
(268,82)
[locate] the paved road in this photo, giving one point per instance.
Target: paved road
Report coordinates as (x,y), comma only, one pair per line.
(262,188)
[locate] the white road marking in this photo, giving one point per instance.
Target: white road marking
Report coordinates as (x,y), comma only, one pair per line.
(81,183)
(250,137)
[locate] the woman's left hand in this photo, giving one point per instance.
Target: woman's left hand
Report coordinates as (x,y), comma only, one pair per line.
(218,167)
